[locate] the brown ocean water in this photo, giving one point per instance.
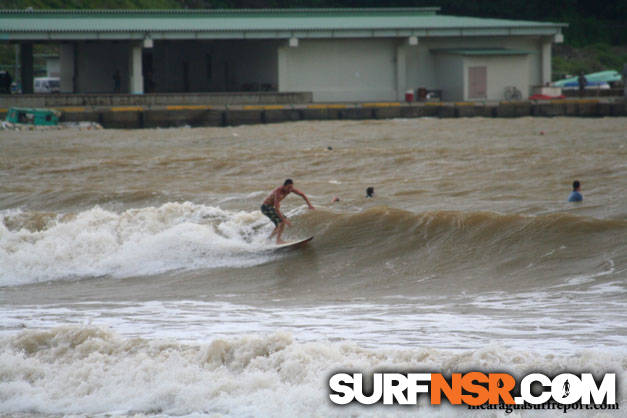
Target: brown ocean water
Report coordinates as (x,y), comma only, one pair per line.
(143,252)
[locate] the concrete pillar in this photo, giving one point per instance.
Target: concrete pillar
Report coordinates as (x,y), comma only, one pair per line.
(16,71)
(136,79)
(401,71)
(67,60)
(546,61)
(283,81)
(26,71)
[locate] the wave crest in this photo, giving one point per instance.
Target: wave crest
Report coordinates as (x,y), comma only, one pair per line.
(37,247)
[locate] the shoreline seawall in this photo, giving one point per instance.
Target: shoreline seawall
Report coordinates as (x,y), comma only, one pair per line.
(153,116)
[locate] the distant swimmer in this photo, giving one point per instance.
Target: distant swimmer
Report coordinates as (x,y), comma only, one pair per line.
(370,192)
(271,207)
(575,196)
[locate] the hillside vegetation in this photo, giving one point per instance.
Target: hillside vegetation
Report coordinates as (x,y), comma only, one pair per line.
(595,40)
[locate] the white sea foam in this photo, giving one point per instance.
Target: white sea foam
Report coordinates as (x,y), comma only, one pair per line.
(144,241)
(553,329)
(90,370)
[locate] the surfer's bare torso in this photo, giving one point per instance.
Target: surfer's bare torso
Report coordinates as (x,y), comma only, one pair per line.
(277,195)
(272,203)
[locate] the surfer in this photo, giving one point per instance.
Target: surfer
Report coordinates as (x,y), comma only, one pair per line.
(271,205)
(575,196)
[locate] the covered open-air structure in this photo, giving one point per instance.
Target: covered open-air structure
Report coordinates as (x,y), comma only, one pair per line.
(336,54)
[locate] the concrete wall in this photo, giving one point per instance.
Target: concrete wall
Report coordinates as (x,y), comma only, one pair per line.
(157,99)
(141,117)
(53,67)
(340,69)
(503,71)
(421,67)
(424,71)
(452,75)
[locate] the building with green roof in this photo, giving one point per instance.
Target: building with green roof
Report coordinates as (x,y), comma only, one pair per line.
(337,54)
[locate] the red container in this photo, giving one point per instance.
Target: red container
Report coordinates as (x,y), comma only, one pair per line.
(409,96)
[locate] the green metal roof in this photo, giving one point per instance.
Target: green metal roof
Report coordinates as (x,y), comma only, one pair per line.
(481,51)
(247,23)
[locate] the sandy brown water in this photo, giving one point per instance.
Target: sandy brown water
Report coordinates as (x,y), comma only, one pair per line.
(469,245)
(505,165)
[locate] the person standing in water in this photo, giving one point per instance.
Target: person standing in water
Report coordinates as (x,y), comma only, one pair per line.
(575,195)
(582,82)
(271,207)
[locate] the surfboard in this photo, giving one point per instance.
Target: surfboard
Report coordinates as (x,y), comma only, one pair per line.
(293,244)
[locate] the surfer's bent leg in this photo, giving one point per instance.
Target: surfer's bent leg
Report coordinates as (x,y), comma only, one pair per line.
(279,231)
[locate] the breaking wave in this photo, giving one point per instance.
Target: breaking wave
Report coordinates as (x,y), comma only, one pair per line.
(91,370)
(36,247)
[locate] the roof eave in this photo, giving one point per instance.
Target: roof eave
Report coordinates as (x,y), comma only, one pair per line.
(279,33)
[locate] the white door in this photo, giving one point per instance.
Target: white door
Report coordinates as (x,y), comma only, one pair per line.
(477,82)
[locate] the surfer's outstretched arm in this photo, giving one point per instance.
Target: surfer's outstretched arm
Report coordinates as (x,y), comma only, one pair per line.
(301,194)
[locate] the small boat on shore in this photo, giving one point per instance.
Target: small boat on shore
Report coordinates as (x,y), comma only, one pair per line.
(33,116)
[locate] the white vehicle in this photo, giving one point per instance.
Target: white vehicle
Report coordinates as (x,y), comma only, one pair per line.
(47,85)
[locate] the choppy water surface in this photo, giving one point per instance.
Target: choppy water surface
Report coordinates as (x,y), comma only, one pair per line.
(135,276)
